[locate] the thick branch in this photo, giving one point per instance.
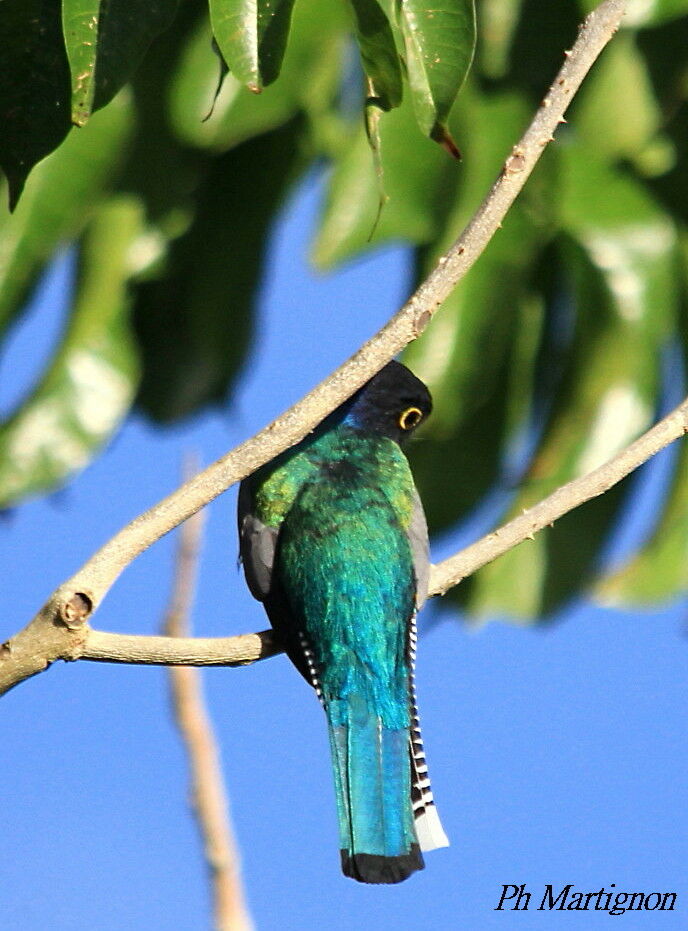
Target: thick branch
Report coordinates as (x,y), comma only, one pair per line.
(57,631)
(248,648)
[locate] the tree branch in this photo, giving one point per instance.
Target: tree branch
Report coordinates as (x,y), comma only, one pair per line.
(241,650)
(249,648)
(209,798)
(59,630)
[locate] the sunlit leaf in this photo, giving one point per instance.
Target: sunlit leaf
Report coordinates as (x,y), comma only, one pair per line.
(252,37)
(624,292)
(616,111)
(439,42)
(467,355)
(59,197)
(89,384)
(659,570)
(105,42)
(628,236)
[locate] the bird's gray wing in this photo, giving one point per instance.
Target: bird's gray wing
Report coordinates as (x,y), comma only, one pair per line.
(418,538)
(257,544)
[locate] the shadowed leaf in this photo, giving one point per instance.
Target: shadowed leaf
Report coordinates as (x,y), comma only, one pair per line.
(194,318)
(58,200)
(624,297)
(659,571)
(646,12)
(543,32)
(378,53)
(89,384)
(105,42)
(34,87)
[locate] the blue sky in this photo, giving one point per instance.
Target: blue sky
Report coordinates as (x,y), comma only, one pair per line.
(557,755)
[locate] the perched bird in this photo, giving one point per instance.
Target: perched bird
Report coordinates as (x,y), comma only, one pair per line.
(334,543)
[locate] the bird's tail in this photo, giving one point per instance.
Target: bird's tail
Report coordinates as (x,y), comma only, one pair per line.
(372,771)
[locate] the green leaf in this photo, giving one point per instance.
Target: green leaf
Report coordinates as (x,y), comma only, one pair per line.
(498,20)
(491,338)
(627,235)
(378,53)
(415,175)
(543,32)
(160,169)
(616,111)
(194,318)
(316,44)
(439,42)
(622,271)
(665,50)
(383,83)
(34,90)
(252,37)
(659,571)
(105,42)
(469,355)
(59,198)
(89,384)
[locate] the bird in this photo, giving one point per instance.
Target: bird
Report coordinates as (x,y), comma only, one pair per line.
(334,543)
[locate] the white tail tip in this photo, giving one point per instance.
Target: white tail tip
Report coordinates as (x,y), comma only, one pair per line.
(429,830)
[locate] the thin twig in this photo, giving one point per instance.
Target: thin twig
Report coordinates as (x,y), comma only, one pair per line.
(196,730)
(248,648)
(59,630)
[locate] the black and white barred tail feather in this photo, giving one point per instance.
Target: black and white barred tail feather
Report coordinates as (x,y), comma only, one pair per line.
(429,830)
(311,667)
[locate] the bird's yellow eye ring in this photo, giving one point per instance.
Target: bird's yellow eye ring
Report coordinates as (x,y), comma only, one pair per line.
(410,418)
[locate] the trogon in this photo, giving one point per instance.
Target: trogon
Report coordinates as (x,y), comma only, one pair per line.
(334,542)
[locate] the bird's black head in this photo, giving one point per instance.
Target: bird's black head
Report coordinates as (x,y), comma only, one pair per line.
(393,403)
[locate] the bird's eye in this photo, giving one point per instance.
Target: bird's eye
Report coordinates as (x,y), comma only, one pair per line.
(410,418)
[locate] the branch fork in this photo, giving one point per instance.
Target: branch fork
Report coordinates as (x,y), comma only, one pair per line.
(61,630)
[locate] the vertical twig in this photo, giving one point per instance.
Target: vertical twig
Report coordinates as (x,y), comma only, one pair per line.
(190,715)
